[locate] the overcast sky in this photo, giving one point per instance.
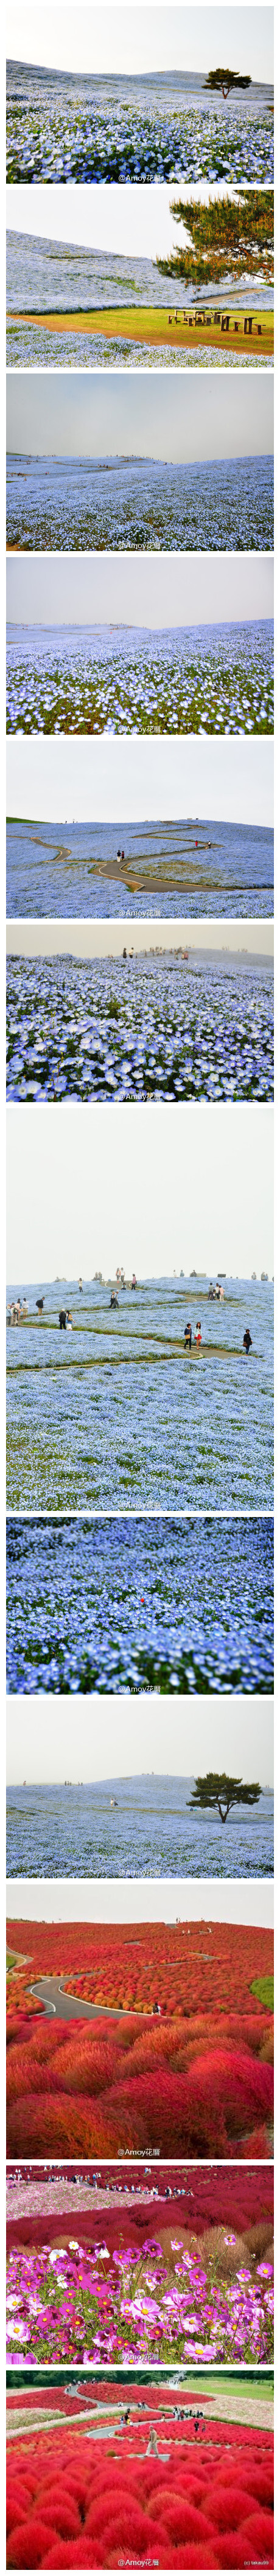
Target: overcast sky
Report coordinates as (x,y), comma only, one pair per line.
(144,1900)
(138,590)
(162,416)
(142,39)
(189,1187)
(168,1735)
(106,938)
(65,780)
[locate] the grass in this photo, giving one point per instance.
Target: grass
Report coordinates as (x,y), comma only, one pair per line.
(263,1987)
(156,327)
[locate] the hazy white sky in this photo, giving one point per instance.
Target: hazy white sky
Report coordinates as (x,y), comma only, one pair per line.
(142,39)
(193,1186)
(132,220)
(168,1735)
(65,780)
(106,938)
(162,416)
(128,219)
(142,1900)
(138,590)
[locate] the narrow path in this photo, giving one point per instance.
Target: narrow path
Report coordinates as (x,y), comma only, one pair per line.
(50,1993)
(241,2409)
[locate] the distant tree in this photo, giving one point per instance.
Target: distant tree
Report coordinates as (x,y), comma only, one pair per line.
(217,1790)
(226,234)
(226,80)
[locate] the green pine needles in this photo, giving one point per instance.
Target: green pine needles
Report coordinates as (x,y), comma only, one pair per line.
(217,1790)
(226,80)
(224,236)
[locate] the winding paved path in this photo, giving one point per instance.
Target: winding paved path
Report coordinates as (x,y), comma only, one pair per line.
(51,1993)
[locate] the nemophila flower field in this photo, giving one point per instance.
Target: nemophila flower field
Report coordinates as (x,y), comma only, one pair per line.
(146,1027)
(61,281)
(57,278)
(140,1604)
(61,128)
(199,2081)
(182,1427)
(185,868)
(87,680)
(140,1828)
(31,345)
(77,504)
(169,2487)
(157,2282)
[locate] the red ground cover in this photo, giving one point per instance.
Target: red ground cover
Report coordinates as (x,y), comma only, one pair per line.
(150,2400)
(184,1967)
(79,2094)
(78,2502)
(239,2198)
(203,2197)
(196,2082)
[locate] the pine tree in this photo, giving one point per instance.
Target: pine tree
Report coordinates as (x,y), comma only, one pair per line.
(217,1790)
(227,234)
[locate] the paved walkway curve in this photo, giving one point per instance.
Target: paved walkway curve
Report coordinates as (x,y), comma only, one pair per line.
(50,1992)
(248,2409)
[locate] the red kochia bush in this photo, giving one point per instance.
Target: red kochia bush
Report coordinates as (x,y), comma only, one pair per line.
(86,2070)
(16,2503)
(74,2553)
(262,2484)
(29,2541)
(228,2503)
(258,2531)
(244,2552)
(180,2522)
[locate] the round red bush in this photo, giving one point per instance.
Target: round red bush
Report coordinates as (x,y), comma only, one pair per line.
(29,2541)
(257,2528)
(73,2553)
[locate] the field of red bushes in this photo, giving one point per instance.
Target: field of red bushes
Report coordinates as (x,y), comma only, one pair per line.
(196,2082)
(154,2401)
(193,2198)
(238,2197)
(206,2500)
(185,1967)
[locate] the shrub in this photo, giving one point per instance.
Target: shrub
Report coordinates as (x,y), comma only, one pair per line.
(258,2529)
(29,2541)
(74,2553)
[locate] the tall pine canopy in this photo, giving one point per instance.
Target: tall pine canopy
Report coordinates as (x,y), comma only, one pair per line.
(228,235)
